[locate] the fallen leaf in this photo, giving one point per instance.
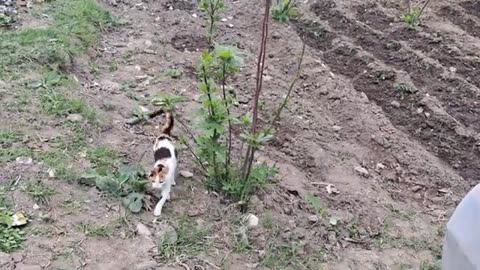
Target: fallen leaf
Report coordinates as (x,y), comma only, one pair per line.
(18,219)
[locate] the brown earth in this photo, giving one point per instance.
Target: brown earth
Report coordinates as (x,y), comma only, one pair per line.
(402,104)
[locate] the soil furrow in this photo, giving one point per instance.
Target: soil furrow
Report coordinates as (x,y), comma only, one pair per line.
(458,18)
(437,133)
(459,100)
(472,8)
(434,45)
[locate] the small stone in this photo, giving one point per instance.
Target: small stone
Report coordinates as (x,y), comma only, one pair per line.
(24,160)
(336,128)
(194,15)
(230,17)
(252,221)
(395,104)
(22,266)
(288,210)
(230,25)
(276,35)
(361,171)
(323,91)
(36,207)
(416,188)
(267,78)
(420,110)
(148,43)
(143,230)
(380,166)
(51,173)
(75,117)
(427,114)
(186,174)
(224,19)
(313,219)
(157,19)
(452,69)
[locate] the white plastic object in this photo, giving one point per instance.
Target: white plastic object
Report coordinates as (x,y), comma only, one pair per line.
(461,249)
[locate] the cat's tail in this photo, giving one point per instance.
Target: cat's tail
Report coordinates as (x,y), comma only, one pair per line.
(168,124)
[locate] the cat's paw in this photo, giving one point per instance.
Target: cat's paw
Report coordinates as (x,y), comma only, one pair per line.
(157,213)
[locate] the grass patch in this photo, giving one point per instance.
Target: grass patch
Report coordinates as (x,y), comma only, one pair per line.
(77,25)
(58,104)
(104,158)
(190,240)
(11,239)
(8,137)
(39,191)
(96,230)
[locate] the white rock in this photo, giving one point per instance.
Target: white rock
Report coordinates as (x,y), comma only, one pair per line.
(361,171)
(313,219)
(380,166)
(186,174)
(452,69)
(395,104)
(230,25)
(24,160)
(252,221)
(224,19)
(75,117)
(51,173)
(148,43)
(336,128)
(230,17)
(194,15)
(143,230)
(36,207)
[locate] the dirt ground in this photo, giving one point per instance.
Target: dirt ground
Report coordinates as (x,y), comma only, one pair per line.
(387,116)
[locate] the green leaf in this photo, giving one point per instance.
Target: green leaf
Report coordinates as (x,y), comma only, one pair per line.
(107,184)
(314,201)
(134,202)
(90,173)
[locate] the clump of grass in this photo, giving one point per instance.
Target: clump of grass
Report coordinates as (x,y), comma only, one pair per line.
(96,230)
(190,240)
(7,137)
(39,191)
(174,73)
(283,11)
(105,159)
(412,15)
(11,239)
(56,103)
(77,24)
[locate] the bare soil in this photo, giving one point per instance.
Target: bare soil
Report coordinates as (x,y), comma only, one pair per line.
(421,146)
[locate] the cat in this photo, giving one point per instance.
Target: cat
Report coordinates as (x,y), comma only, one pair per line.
(162,176)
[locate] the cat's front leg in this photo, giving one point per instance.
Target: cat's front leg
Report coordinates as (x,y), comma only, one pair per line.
(158,208)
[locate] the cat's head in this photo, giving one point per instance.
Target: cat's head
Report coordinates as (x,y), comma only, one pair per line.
(158,176)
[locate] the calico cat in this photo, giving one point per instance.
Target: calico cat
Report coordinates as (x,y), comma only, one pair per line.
(162,176)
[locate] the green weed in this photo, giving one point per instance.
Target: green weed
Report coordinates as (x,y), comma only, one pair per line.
(412,17)
(39,191)
(128,183)
(174,73)
(11,239)
(190,240)
(95,230)
(7,137)
(56,103)
(283,11)
(9,154)
(94,68)
(113,66)
(212,8)
(104,158)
